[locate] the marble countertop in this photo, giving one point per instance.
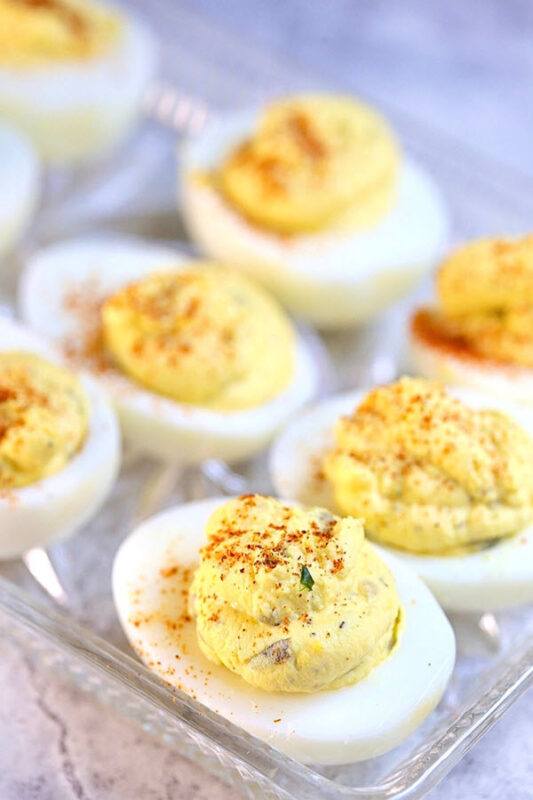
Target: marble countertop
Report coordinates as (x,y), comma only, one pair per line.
(57,743)
(468,68)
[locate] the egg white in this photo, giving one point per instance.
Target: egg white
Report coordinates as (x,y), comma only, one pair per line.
(19,185)
(56,506)
(333,727)
(332,279)
(493,579)
(153,424)
(79,110)
(510,382)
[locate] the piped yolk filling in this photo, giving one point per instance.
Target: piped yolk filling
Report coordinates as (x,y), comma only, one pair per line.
(485,303)
(314,163)
(292,600)
(44,418)
(204,336)
(428,474)
(34,33)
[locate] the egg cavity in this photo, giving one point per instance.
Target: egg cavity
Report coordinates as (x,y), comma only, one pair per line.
(151,577)
(56,505)
(497,577)
(333,278)
(61,294)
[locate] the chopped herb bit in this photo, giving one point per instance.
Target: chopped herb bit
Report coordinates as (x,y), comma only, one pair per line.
(306,579)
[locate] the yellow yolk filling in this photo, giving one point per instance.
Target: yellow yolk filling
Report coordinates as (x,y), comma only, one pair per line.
(36,32)
(44,417)
(292,600)
(428,474)
(314,162)
(204,336)
(485,293)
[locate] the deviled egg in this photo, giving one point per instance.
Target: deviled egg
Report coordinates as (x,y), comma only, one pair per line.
(72,74)
(480,332)
(287,622)
(19,185)
(59,444)
(442,478)
(313,197)
(200,362)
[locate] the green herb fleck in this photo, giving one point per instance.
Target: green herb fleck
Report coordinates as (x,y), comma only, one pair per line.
(306,579)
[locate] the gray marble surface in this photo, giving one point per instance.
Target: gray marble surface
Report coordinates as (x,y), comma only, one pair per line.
(464,67)
(56,743)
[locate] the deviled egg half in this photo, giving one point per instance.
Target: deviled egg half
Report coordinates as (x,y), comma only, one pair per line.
(444,478)
(59,444)
(287,622)
(199,361)
(19,185)
(480,331)
(72,74)
(314,198)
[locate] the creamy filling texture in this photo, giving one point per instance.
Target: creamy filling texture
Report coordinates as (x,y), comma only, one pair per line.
(292,600)
(204,336)
(314,162)
(44,418)
(34,33)
(485,299)
(429,475)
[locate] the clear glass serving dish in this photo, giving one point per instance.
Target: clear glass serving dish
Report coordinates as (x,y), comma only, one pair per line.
(135,192)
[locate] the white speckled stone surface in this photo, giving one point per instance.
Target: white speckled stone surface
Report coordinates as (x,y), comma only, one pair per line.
(468,69)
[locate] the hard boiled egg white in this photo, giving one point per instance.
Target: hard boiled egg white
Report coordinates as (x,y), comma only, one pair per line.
(492,579)
(96,267)
(333,727)
(332,279)
(19,185)
(55,506)
(74,111)
(510,382)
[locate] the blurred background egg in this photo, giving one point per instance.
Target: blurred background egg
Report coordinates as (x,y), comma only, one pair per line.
(334,277)
(478,332)
(37,510)
(72,75)
(62,292)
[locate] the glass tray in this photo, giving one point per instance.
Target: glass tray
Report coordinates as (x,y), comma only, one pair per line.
(135,193)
